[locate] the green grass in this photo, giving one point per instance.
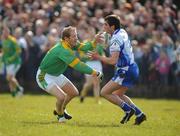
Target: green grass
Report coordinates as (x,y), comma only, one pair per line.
(32,115)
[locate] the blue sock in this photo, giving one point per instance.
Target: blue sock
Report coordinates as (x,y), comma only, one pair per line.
(137,110)
(125,107)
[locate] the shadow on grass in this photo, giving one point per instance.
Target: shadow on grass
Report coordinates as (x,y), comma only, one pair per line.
(77,124)
(39,122)
(169,109)
(88,124)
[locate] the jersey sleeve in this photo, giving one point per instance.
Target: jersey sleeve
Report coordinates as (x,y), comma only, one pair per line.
(70,59)
(100,49)
(82,56)
(85,46)
(116,45)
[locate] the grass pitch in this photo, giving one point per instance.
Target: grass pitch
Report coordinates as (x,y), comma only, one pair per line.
(32,115)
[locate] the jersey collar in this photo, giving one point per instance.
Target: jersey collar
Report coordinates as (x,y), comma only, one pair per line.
(65,44)
(116,31)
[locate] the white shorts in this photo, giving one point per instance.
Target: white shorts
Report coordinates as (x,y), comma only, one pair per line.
(49,80)
(12,69)
(94,64)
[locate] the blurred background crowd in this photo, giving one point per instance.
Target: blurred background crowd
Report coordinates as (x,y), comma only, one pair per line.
(153,26)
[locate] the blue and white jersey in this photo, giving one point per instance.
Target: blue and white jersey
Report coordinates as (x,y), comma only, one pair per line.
(121,43)
(127,71)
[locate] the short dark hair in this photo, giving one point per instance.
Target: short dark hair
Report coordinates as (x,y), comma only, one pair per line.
(113,20)
(67,32)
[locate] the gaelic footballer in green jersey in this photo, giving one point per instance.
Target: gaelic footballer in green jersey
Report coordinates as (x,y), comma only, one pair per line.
(50,74)
(11,57)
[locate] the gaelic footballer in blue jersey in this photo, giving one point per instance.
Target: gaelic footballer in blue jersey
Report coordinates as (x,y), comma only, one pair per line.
(126,73)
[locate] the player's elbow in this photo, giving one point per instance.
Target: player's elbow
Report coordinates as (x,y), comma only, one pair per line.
(112,62)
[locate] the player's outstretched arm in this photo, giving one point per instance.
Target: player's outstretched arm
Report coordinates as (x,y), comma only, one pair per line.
(108,60)
(83,68)
(90,45)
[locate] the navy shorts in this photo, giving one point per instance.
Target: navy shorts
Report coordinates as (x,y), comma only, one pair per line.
(126,76)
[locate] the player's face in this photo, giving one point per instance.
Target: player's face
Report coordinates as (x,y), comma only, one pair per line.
(107,28)
(73,38)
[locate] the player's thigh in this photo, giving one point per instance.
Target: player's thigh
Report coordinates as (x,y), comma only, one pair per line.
(88,80)
(51,84)
(120,91)
(56,91)
(96,81)
(70,89)
(67,86)
(109,88)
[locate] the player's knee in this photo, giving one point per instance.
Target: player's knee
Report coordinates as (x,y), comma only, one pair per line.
(61,98)
(96,84)
(9,77)
(75,93)
(103,93)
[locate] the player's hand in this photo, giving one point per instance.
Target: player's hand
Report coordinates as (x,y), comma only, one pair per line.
(93,55)
(100,76)
(99,38)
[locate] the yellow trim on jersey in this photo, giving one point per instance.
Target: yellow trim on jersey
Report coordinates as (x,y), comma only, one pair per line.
(93,43)
(17,47)
(13,39)
(94,73)
(65,44)
(81,45)
(74,62)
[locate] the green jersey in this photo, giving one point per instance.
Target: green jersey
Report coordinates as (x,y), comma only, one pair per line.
(59,57)
(82,54)
(11,51)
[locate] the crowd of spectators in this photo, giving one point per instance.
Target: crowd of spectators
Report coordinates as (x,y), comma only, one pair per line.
(153,26)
